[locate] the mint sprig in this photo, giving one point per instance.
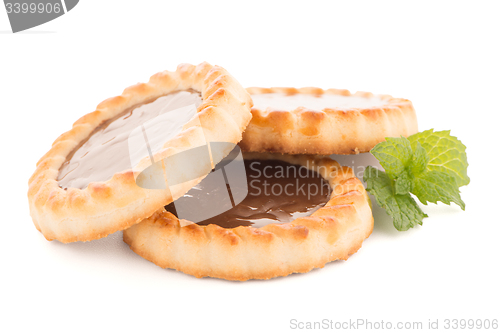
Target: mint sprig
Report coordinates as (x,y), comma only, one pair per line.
(402,208)
(446,153)
(431,165)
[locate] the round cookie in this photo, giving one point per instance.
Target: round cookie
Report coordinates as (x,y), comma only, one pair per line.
(331,232)
(324,122)
(81,191)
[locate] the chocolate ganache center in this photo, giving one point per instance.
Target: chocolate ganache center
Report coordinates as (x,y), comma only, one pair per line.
(277,192)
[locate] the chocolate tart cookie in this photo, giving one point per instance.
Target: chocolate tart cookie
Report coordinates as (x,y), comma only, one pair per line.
(102,175)
(300,212)
(324,122)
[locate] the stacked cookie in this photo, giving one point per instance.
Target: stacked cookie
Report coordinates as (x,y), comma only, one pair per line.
(161,162)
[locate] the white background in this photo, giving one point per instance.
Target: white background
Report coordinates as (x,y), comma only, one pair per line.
(443,56)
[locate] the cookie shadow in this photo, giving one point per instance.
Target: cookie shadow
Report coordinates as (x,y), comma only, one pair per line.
(110,247)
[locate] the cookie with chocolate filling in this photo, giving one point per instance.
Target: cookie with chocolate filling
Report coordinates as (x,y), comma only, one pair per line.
(97,178)
(324,122)
(298,212)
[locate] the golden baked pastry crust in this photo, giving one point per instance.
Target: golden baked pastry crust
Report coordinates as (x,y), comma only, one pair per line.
(330,131)
(105,207)
(333,232)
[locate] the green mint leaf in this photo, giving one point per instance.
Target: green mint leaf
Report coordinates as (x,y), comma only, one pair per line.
(420,159)
(403,209)
(434,186)
(446,154)
(394,155)
(431,165)
(403,183)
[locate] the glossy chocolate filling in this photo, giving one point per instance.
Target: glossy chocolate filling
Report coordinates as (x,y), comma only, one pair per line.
(107,149)
(286,102)
(277,192)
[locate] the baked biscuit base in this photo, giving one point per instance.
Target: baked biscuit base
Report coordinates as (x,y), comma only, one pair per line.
(333,232)
(330,131)
(105,207)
